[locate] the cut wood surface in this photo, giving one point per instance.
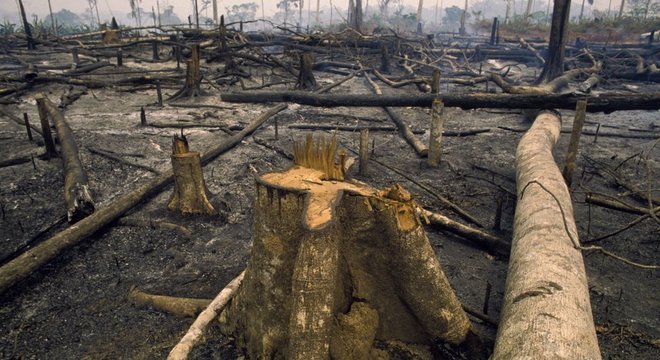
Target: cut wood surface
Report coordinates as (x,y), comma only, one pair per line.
(327,250)
(601,103)
(546,311)
(34,258)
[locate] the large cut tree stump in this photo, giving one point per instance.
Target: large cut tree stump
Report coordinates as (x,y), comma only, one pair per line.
(190,195)
(546,312)
(336,265)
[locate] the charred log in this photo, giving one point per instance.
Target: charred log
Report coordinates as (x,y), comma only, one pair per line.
(601,103)
(24,264)
(79,202)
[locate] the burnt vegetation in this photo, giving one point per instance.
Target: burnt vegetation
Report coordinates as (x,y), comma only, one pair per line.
(380,182)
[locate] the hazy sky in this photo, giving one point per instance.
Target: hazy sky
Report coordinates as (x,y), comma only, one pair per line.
(8,8)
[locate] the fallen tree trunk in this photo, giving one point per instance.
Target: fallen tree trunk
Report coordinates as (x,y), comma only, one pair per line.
(602,103)
(14,161)
(347,128)
(614,203)
(546,311)
(491,242)
(172,305)
(196,331)
(34,258)
(420,148)
(79,202)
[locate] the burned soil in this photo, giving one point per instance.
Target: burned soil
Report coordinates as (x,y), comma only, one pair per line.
(76,306)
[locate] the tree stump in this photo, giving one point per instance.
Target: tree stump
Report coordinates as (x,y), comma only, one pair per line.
(306,80)
(336,265)
(190,194)
(192,87)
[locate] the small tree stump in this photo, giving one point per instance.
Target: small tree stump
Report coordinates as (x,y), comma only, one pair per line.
(306,80)
(192,87)
(334,261)
(190,194)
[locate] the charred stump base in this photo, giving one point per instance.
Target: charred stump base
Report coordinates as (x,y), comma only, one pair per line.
(190,194)
(334,267)
(193,84)
(306,80)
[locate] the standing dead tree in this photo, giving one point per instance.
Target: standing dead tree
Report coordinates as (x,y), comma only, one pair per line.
(546,311)
(31,44)
(306,80)
(554,64)
(192,86)
(355,17)
(79,202)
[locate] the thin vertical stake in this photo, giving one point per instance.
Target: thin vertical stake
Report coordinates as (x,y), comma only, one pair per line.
(159,93)
(27,126)
(364,151)
(435,139)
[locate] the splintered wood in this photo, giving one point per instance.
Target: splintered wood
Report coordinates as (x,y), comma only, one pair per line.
(325,249)
(320,155)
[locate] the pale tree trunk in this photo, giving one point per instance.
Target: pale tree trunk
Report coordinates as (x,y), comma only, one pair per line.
(355,19)
(461,30)
(91,14)
(442,7)
(215,11)
(419,14)
(52,19)
(554,65)
(158,9)
(309,14)
(528,12)
(96,7)
(31,45)
(546,312)
(196,15)
(263,15)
